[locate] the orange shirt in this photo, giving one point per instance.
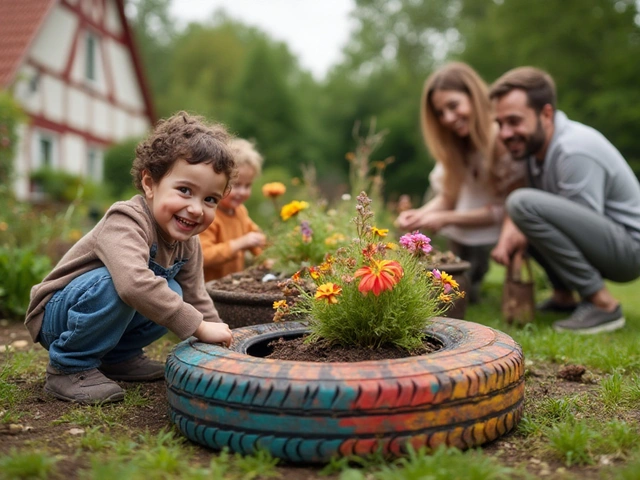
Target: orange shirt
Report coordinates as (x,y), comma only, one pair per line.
(218,258)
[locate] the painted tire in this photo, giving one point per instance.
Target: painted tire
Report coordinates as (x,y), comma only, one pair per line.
(467,393)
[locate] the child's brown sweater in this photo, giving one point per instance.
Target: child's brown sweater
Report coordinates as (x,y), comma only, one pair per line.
(121,241)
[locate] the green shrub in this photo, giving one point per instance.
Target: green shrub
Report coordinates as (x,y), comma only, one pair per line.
(10,117)
(20,269)
(64,187)
(117,166)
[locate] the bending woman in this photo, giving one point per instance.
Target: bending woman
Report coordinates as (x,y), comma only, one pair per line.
(473,171)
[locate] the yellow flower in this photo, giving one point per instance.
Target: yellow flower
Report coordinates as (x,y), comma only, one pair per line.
(391,246)
(279,304)
(328,292)
(445,298)
(448,280)
(293,208)
(325,267)
(334,239)
(3,226)
(273,190)
(380,232)
(350,156)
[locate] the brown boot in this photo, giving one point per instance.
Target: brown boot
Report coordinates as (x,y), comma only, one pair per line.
(88,387)
(137,369)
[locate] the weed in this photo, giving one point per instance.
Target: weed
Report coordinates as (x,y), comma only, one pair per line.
(618,438)
(445,464)
(258,465)
(571,441)
(26,465)
(611,390)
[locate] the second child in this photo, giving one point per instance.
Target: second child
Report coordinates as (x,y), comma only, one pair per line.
(232,233)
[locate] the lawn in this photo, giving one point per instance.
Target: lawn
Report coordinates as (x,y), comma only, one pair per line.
(580,426)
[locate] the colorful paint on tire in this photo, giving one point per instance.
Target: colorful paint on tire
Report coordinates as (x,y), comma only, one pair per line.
(468,393)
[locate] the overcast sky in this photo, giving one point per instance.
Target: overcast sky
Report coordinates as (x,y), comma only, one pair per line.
(315,30)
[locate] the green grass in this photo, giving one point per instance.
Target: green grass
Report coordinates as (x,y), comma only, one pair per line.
(595,429)
(609,352)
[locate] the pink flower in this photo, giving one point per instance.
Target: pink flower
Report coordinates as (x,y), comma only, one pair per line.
(416,243)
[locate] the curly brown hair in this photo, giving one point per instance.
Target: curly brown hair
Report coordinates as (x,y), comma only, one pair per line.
(188,137)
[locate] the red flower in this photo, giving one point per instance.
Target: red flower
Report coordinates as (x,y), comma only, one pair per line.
(379,276)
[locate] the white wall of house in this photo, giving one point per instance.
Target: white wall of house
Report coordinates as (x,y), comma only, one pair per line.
(88,113)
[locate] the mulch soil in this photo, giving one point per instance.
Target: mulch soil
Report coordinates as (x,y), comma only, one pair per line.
(296,349)
(250,281)
(39,427)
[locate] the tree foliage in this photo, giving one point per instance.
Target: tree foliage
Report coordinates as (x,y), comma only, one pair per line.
(238,75)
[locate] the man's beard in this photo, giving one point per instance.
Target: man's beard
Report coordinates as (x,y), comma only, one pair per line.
(533,144)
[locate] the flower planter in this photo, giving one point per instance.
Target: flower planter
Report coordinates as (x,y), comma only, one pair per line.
(469,392)
(239,309)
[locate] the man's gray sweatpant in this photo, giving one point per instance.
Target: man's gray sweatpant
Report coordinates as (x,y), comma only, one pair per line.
(579,245)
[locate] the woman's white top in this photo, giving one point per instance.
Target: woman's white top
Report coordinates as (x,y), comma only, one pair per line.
(476,193)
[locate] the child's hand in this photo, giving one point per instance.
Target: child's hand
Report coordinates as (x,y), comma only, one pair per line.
(214,332)
(254,239)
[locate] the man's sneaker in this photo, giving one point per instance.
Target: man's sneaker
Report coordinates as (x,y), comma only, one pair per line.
(550,305)
(88,387)
(137,369)
(589,319)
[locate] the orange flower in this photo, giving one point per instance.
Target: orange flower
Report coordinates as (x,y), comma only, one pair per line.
(296,276)
(379,276)
(314,272)
(273,190)
(328,292)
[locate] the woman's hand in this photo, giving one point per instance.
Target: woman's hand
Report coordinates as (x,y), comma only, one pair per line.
(214,332)
(409,219)
(434,221)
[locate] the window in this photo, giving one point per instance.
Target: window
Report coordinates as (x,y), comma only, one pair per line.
(91,57)
(94,164)
(46,152)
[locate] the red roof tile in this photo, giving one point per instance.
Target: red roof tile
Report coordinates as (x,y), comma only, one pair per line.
(19,23)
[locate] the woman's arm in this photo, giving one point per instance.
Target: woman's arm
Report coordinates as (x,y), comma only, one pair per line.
(415,218)
(478,217)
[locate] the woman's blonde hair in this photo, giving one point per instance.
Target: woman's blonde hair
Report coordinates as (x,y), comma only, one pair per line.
(445,146)
(244,153)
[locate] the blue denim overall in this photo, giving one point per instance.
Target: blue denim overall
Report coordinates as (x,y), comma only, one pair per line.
(86,323)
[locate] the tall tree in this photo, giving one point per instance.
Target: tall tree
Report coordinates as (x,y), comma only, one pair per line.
(154,34)
(588,46)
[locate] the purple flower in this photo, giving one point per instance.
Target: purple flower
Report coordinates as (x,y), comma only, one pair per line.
(416,243)
(305,230)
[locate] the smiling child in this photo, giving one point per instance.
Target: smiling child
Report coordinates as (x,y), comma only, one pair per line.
(138,272)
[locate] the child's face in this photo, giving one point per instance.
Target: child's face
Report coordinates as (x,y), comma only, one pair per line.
(184,201)
(241,190)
